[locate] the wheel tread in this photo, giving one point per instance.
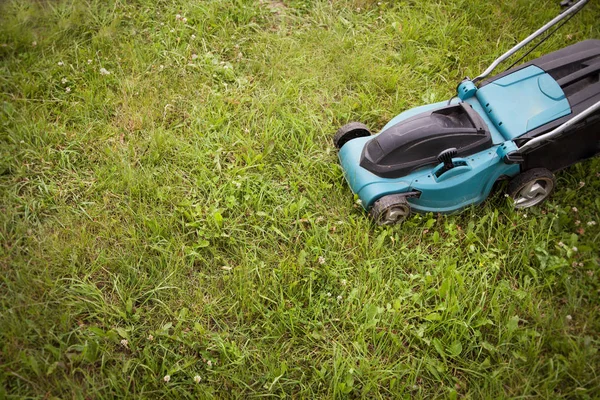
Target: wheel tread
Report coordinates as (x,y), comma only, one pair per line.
(382,205)
(348,132)
(524,178)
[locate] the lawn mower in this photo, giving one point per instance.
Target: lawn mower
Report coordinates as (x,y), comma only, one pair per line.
(520,125)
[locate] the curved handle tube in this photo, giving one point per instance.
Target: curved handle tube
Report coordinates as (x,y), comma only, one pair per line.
(560,129)
(574,8)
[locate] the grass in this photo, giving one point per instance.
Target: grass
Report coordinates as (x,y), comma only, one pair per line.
(185,215)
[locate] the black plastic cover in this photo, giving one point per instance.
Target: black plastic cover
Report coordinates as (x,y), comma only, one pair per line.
(418,140)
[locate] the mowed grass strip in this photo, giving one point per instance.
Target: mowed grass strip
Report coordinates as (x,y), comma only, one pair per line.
(174,222)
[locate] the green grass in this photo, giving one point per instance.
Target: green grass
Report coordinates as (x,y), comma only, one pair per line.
(191,203)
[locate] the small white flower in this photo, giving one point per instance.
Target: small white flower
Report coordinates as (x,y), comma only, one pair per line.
(591,223)
(574,209)
(328,294)
(64,80)
(561,244)
(161,67)
(569,317)
(184,19)
(581,184)
(339,297)
(197,378)
(577,223)
(172,30)
(124,343)
(34,43)
(68,89)
(574,249)
(162,24)
(209,363)
(167,378)
(178,17)
(194,56)
(193,37)
(344,282)
(321,260)
(89,61)
(524,215)
(104,71)
(150,337)
(60,63)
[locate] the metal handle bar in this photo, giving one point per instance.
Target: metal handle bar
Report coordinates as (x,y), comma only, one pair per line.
(558,130)
(574,8)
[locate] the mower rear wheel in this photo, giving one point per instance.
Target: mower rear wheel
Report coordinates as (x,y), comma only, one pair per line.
(390,210)
(531,187)
(348,132)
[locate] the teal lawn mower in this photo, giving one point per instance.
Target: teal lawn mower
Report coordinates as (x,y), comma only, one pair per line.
(520,125)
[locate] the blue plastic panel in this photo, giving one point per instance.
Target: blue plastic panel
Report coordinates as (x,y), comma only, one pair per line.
(522,101)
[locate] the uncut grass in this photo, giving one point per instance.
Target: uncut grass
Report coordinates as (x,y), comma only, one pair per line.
(183,202)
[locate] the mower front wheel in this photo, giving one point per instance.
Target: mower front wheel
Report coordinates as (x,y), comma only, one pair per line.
(391,209)
(348,132)
(531,187)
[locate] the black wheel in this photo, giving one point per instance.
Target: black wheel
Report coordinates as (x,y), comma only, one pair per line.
(390,210)
(348,132)
(531,187)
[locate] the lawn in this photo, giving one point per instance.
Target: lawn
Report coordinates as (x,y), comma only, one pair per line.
(174,221)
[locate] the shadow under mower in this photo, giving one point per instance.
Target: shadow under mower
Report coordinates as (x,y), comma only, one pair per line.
(523,125)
